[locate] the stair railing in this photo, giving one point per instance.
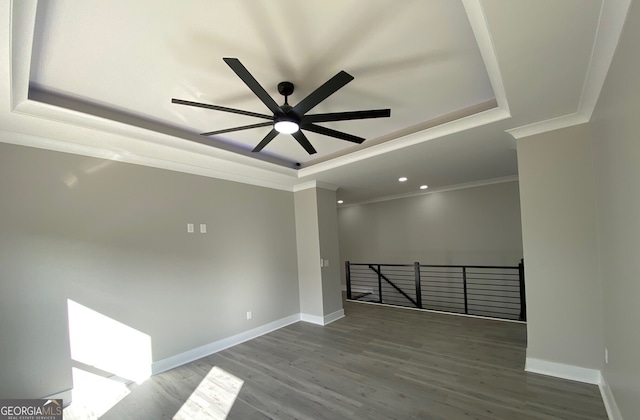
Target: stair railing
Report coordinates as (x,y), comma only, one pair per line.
(492,291)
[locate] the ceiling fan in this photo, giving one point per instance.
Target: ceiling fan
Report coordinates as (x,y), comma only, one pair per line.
(287,119)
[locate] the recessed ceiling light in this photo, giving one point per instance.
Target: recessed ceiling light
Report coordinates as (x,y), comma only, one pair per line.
(423,187)
(340,201)
(402,179)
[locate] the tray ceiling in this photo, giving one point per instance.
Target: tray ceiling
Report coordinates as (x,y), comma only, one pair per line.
(457,75)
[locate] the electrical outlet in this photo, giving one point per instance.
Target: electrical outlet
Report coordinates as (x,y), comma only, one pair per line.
(203,228)
(190,227)
(249,315)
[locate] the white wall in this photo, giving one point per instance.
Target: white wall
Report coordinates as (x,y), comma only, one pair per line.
(616,136)
(564,315)
(479,225)
(112,237)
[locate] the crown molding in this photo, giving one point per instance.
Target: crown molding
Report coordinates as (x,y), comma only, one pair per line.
(22,24)
(547,125)
(480,27)
(481,183)
(314,184)
(201,168)
(137,140)
(115,140)
(613,15)
(472,121)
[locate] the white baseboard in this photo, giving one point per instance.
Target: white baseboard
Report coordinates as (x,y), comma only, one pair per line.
(362,289)
(579,374)
(211,348)
(609,402)
(65,396)
(334,316)
(216,346)
(313,319)
(560,370)
(436,312)
(322,320)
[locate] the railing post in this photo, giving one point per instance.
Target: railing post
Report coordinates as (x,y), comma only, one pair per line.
(464,284)
(416,269)
(379,284)
(347,271)
(523,300)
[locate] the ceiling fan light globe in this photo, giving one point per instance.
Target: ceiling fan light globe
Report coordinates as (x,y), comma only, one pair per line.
(286,127)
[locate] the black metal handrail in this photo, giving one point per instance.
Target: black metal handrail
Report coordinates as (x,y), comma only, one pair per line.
(487,290)
(383,277)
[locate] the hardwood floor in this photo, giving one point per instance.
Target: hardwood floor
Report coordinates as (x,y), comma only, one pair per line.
(376,363)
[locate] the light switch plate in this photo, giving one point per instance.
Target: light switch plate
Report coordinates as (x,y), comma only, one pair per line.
(190,227)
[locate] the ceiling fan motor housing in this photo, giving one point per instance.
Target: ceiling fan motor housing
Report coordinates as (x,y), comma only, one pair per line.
(285,88)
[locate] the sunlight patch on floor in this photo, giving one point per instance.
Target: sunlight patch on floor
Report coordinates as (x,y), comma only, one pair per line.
(213,398)
(93,395)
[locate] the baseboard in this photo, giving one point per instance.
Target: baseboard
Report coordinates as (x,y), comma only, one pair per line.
(561,370)
(433,311)
(313,319)
(362,289)
(322,320)
(65,396)
(216,346)
(211,348)
(609,402)
(334,316)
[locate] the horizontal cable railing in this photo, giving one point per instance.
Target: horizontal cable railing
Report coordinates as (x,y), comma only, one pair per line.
(491,291)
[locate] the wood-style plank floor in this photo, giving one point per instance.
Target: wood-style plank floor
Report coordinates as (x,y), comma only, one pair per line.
(376,363)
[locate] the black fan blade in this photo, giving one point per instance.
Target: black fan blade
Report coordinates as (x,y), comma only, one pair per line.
(304,142)
(323,92)
(342,116)
(333,133)
(221,108)
(230,130)
(253,84)
(266,140)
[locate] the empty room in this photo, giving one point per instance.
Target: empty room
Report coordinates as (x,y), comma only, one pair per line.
(338,209)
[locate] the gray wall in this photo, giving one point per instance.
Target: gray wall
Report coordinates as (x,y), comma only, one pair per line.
(479,225)
(329,250)
(581,232)
(317,237)
(560,247)
(616,135)
(308,239)
(112,237)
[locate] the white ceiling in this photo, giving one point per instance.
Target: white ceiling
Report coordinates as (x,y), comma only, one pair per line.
(97,78)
